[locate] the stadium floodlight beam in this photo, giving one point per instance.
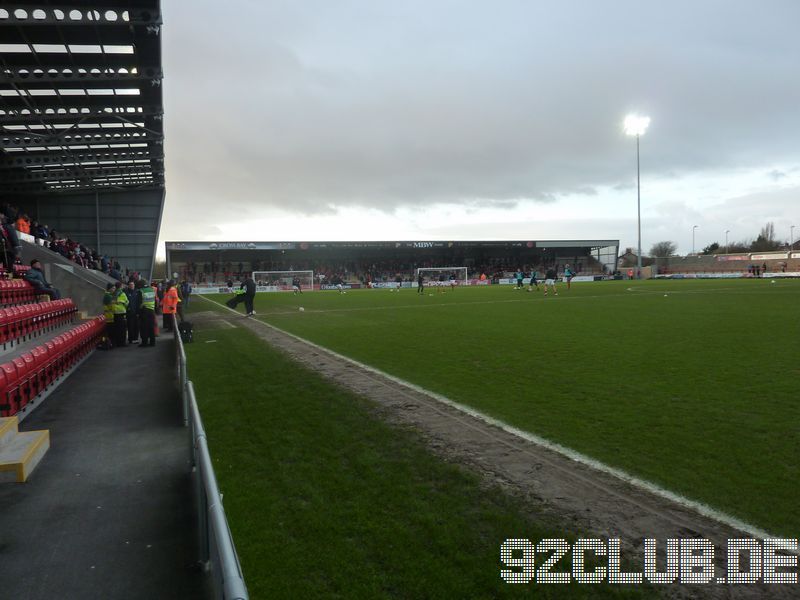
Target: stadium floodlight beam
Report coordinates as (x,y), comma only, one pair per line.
(637,125)
(727,231)
(693,230)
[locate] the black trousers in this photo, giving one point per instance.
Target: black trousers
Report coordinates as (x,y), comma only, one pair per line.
(248,303)
(120,329)
(133,327)
(147,327)
(110,334)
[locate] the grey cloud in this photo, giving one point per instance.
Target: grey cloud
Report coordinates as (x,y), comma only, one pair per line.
(304,107)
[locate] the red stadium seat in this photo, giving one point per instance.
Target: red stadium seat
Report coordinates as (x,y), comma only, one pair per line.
(60,355)
(23,377)
(40,367)
(26,319)
(13,322)
(5,405)
(12,386)
(31,375)
(5,331)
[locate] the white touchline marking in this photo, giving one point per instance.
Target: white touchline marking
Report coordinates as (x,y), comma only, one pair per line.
(698,507)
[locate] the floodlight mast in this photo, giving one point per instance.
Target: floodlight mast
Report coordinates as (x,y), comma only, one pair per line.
(727,231)
(636,126)
(694,227)
(791,238)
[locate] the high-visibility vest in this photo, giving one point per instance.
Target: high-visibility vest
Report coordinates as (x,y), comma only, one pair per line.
(108,310)
(120,302)
(148,298)
(171,301)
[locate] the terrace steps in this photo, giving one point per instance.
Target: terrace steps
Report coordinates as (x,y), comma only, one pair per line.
(20,451)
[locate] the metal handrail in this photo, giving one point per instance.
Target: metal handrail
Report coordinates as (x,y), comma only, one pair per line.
(217,551)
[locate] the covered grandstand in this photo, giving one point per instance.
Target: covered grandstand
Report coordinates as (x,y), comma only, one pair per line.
(118,503)
(213,263)
(82,145)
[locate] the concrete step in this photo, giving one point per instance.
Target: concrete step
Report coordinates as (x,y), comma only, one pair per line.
(9,426)
(20,455)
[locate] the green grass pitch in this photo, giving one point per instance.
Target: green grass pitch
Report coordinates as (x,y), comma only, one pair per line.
(691,385)
(325,500)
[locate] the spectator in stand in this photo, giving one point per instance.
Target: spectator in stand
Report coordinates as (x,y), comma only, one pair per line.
(9,240)
(44,231)
(23,224)
(35,276)
(115,274)
(134,303)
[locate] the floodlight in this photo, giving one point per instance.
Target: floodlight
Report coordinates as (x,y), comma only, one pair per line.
(636,125)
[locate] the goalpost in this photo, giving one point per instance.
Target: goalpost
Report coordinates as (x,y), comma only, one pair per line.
(434,274)
(283,279)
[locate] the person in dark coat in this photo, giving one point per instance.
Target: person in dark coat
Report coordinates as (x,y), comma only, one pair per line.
(249,287)
(9,240)
(35,276)
(134,303)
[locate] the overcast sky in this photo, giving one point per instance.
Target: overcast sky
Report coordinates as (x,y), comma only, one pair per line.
(469,119)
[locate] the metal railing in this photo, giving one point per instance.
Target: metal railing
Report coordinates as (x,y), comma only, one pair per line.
(217,551)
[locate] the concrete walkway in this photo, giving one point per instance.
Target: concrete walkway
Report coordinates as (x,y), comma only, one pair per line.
(109,512)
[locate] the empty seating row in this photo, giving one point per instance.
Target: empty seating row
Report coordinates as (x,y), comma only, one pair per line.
(19,322)
(32,373)
(16,291)
(18,270)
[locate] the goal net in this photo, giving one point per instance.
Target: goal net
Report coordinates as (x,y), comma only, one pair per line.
(282,280)
(442,275)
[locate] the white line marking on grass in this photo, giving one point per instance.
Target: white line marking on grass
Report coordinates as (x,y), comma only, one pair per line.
(656,490)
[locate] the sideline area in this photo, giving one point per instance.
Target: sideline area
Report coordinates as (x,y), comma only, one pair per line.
(109,512)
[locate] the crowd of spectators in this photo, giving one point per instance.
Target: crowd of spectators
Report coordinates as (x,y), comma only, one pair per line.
(15,221)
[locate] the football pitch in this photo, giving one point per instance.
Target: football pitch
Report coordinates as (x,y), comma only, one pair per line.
(690,385)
